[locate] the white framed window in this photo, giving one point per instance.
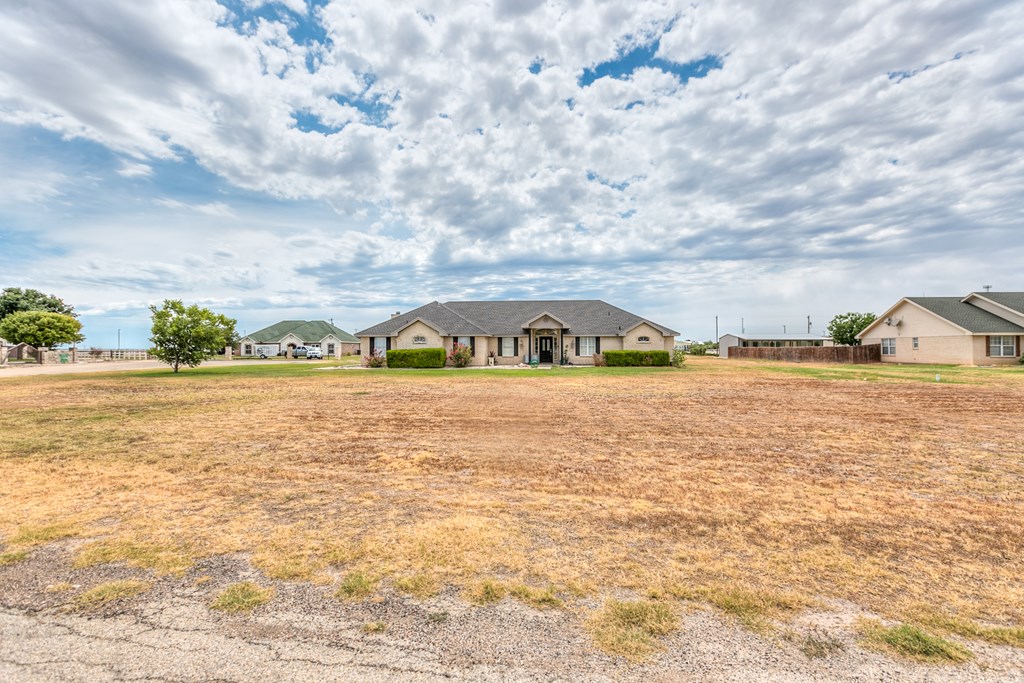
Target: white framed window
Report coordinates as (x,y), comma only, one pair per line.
(330,349)
(889,346)
(380,344)
(587,346)
(419,339)
(643,340)
(917,344)
(248,350)
(1002,346)
(508,347)
(463,340)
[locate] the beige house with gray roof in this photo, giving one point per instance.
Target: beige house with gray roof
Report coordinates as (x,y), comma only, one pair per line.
(516,331)
(982,328)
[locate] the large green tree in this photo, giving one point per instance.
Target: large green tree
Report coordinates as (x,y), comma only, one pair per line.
(188,335)
(845,327)
(41,329)
(14,299)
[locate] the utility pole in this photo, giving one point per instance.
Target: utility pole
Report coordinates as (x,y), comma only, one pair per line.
(119,340)
(783,329)
(808,324)
(743,328)
(716,328)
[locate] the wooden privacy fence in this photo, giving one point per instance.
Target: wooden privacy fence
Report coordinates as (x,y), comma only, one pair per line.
(867,353)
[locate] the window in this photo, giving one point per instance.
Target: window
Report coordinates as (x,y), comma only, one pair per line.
(889,346)
(916,345)
(587,346)
(248,350)
(312,346)
(1002,346)
(643,340)
(508,346)
(330,349)
(419,339)
(380,344)
(462,340)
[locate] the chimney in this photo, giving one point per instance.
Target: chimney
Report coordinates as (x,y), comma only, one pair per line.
(396,314)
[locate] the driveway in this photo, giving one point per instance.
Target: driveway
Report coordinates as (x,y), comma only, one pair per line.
(27,369)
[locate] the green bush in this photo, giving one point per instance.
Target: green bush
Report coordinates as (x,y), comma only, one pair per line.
(636,358)
(416,358)
(678,358)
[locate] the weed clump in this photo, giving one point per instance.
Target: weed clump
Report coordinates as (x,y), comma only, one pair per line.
(242,597)
(630,628)
(109,592)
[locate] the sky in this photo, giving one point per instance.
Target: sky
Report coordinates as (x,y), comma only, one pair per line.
(317,159)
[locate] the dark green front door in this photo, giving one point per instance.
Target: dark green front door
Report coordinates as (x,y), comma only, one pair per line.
(547,344)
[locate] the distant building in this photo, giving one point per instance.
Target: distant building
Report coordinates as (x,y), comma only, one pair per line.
(332,341)
(982,328)
(769,340)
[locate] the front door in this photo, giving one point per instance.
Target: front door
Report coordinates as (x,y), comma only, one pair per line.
(547,344)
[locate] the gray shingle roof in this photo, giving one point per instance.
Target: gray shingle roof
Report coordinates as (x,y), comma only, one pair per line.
(1012,300)
(971,318)
(588,317)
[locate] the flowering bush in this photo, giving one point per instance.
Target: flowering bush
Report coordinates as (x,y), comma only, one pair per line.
(678,358)
(460,355)
(376,359)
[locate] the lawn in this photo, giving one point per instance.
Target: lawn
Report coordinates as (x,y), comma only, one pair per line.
(760,489)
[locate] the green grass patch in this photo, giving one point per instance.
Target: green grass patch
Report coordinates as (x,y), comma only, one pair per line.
(242,597)
(890,372)
(418,585)
(998,635)
(541,598)
(630,629)
(160,558)
(753,609)
(911,641)
(356,586)
(37,535)
(12,556)
(109,592)
(486,592)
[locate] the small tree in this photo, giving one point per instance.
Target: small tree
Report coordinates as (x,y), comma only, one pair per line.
(15,299)
(188,335)
(41,329)
(845,327)
(678,358)
(460,355)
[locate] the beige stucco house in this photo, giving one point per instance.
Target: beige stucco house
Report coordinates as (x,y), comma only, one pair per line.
(515,331)
(982,328)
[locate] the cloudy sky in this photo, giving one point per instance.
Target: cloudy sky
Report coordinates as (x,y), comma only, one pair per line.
(345,159)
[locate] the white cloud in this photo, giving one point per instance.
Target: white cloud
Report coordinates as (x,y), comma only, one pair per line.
(801,149)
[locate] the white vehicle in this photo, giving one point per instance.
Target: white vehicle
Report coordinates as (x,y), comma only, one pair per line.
(314,353)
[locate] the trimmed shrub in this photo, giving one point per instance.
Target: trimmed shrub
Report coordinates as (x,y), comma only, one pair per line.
(636,358)
(678,358)
(416,358)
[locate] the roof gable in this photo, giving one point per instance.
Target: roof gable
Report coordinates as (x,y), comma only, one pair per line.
(955,311)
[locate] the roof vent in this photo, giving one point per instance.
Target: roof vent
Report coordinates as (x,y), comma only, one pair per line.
(396,314)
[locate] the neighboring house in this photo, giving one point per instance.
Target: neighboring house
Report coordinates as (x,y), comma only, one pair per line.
(332,341)
(516,330)
(769,340)
(982,328)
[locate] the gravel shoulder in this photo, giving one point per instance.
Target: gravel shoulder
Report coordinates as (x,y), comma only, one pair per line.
(305,634)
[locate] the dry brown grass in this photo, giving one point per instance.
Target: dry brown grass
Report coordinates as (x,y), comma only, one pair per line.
(889,493)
